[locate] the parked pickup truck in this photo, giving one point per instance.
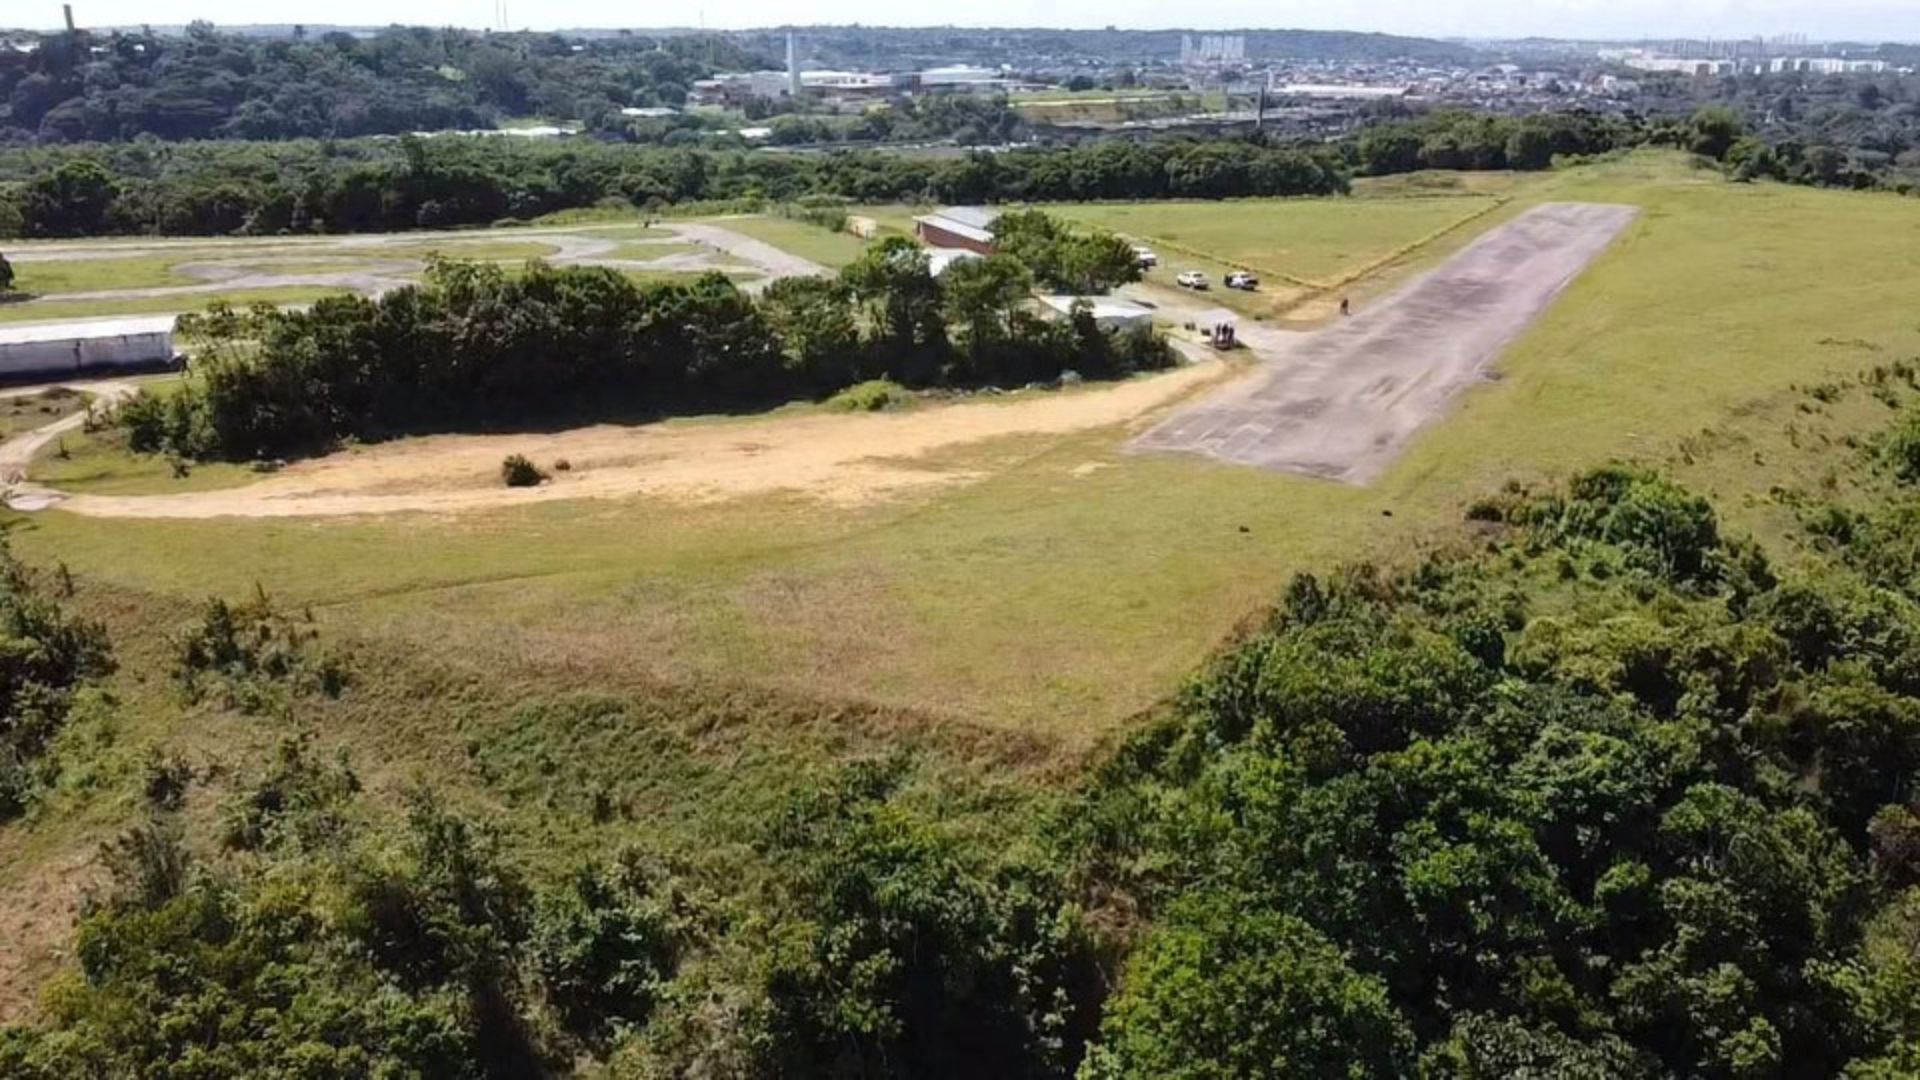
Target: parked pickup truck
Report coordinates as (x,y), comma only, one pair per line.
(1240,279)
(1191,279)
(1144,258)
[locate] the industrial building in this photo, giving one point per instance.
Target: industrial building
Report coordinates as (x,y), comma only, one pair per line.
(68,348)
(1107,312)
(968,228)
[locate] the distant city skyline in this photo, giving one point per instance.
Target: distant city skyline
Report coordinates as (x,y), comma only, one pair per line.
(1861,20)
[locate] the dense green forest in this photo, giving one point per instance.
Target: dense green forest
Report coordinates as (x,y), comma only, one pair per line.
(210,85)
(1833,130)
(474,346)
(302,186)
(1595,790)
(377,185)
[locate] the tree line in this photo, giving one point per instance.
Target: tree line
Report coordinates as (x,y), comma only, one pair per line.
(1829,153)
(477,346)
(219,188)
(382,185)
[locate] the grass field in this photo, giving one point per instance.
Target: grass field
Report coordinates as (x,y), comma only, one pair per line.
(1313,241)
(98,463)
(809,241)
(84,309)
(53,278)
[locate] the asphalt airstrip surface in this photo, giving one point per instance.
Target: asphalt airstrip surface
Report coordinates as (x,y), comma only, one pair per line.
(1342,403)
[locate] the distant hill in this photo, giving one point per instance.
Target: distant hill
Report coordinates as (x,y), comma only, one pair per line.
(903,47)
(315,82)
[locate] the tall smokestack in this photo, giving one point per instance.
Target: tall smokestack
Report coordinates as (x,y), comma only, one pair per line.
(793,67)
(68,8)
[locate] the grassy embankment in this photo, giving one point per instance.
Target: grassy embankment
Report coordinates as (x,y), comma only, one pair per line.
(1001,626)
(953,602)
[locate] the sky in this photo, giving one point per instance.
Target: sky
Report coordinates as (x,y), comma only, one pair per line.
(1872,20)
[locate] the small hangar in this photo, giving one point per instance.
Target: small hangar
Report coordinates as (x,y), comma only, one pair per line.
(68,348)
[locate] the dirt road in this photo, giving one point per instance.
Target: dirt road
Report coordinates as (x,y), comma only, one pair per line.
(1342,403)
(17,453)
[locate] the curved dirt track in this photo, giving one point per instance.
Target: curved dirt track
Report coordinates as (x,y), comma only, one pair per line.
(17,453)
(841,459)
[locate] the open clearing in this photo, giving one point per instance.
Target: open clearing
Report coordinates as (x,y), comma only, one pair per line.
(1069,583)
(76,279)
(1341,403)
(1317,243)
(840,459)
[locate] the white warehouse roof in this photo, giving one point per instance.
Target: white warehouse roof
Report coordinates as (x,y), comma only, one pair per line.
(1104,309)
(68,330)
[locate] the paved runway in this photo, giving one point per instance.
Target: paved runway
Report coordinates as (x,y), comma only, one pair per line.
(1343,402)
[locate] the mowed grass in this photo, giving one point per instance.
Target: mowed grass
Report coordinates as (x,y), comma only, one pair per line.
(98,463)
(40,310)
(53,277)
(1077,584)
(1318,241)
(809,241)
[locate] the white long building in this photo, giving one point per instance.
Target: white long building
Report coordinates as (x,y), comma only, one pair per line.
(67,348)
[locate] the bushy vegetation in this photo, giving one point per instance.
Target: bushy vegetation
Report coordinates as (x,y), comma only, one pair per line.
(45,657)
(1615,797)
(517,471)
(476,346)
(1064,259)
(367,185)
(1833,154)
(367,954)
(874,395)
(255,657)
(1604,791)
(1856,131)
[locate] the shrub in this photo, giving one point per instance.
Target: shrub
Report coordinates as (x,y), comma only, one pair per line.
(257,655)
(873,395)
(517,471)
(606,945)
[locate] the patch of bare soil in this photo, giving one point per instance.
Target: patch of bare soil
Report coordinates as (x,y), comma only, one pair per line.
(846,460)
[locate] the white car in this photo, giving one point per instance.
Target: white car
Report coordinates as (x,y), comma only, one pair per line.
(1144,258)
(1191,279)
(1240,279)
